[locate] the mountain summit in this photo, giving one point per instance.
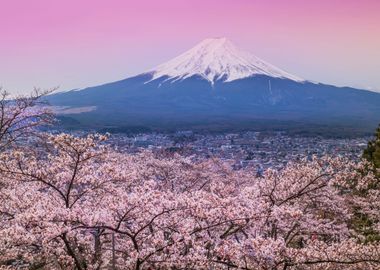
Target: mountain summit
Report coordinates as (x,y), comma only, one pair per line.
(218,59)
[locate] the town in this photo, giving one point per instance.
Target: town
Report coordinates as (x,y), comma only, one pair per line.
(258,150)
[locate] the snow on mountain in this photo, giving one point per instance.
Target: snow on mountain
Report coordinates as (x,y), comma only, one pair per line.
(218,59)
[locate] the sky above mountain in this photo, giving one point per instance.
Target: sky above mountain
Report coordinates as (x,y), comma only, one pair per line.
(74,44)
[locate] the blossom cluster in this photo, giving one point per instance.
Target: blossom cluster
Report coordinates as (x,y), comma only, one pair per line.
(75,203)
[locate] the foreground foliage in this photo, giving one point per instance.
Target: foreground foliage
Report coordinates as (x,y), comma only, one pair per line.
(20,116)
(74,203)
(372,152)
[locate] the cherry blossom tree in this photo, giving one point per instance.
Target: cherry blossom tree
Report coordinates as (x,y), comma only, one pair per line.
(20,116)
(74,203)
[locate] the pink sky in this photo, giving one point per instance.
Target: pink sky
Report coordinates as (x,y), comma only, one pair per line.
(78,43)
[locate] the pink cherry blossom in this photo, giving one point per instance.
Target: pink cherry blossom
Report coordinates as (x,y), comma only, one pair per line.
(74,203)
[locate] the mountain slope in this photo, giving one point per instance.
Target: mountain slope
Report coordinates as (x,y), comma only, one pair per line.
(216,85)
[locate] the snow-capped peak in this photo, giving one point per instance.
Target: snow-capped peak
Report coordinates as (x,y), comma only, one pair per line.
(218,59)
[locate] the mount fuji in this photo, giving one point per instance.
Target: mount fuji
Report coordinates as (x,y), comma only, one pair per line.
(217,86)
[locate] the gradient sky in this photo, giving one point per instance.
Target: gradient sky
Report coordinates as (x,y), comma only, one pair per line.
(79,43)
